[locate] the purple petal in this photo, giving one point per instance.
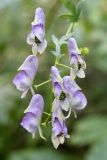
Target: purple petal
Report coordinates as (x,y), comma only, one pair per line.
(57,128)
(79,101)
(30,122)
(30,66)
(57,89)
(57,111)
(74,61)
(70,85)
(38,32)
(39,17)
(55,74)
(72,47)
(36,105)
(22,81)
(64,128)
(38,25)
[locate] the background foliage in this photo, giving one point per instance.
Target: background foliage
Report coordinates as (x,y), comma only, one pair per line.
(89,132)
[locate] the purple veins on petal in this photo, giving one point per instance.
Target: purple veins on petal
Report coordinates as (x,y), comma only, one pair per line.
(77,62)
(72,47)
(59,133)
(36,37)
(36,105)
(79,101)
(24,78)
(30,66)
(57,89)
(30,122)
(55,75)
(32,118)
(22,82)
(70,85)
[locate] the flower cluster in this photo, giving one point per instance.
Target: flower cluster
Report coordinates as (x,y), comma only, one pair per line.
(27,71)
(68,96)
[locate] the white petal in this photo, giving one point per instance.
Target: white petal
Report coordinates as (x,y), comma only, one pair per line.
(34,49)
(72,74)
(61,139)
(41,48)
(55,142)
(30,38)
(65,105)
(81,73)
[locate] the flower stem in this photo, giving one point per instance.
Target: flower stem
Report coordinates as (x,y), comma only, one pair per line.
(32,91)
(70,29)
(62,65)
(46,113)
(44,123)
(43,83)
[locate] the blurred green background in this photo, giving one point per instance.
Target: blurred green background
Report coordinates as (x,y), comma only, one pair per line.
(89,132)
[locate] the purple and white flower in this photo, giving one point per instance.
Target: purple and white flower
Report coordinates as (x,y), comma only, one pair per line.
(27,71)
(77,62)
(59,129)
(67,92)
(32,118)
(36,37)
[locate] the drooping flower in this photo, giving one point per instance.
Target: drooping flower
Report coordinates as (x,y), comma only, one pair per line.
(59,129)
(32,118)
(36,37)
(77,62)
(77,99)
(67,92)
(24,78)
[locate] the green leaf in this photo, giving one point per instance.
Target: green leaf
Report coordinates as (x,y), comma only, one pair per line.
(98,151)
(64,38)
(66,16)
(70,5)
(72,18)
(8,94)
(55,40)
(41,154)
(89,130)
(80,6)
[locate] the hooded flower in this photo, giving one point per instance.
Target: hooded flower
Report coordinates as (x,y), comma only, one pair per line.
(77,62)
(59,129)
(36,37)
(32,118)
(67,92)
(24,78)
(76,98)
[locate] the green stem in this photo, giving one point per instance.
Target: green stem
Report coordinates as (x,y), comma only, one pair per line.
(46,113)
(62,65)
(43,83)
(44,123)
(70,29)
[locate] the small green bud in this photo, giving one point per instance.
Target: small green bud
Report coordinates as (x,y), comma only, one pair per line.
(84,51)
